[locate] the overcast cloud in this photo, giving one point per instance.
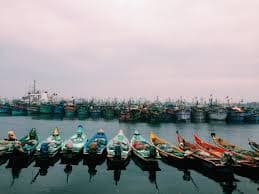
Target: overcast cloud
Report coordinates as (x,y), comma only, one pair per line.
(131,48)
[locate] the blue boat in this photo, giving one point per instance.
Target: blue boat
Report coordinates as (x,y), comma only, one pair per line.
(237,115)
(59,108)
(5,108)
(96,146)
(95,112)
(252,118)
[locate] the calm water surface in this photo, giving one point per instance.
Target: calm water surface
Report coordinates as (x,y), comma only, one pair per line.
(135,179)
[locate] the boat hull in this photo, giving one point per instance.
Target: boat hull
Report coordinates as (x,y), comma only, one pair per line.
(182,116)
(217,116)
(46,109)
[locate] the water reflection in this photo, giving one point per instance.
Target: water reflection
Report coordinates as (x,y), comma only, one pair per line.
(47,117)
(226,181)
(151,167)
(44,166)
(117,167)
(3,159)
(16,164)
(92,162)
(69,161)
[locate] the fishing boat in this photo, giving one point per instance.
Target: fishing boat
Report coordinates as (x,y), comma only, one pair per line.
(243,163)
(154,114)
(5,108)
(46,104)
(95,111)
(182,111)
(96,146)
(168,113)
(50,147)
(236,114)
(23,147)
(182,114)
(82,110)
(215,111)
(254,145)
(108,111)
(142,149)
(73,147)
(198,113)
(33,108)
(118,148)
(59,108)
(253,117)
(249,155)
(46,108)
(26,146)
(168,151)
(70,109)
(205,159)
(19,108)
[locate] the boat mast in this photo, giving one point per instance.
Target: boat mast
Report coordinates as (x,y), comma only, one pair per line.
(34,86)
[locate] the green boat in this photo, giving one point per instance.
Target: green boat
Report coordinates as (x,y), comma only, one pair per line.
(33,109)
(82,110)
(19,108)
(118,148)
(142,148)
(74,145)
(108,112)
(26,146)
(50,147)
(46,108)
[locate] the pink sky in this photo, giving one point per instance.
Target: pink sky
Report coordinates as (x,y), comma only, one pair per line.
(131,48)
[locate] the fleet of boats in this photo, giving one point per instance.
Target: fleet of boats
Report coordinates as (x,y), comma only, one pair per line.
(221,158)
(43,103)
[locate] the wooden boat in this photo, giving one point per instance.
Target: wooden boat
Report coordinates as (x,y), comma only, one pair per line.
(142,148)
(249,155)
(214,150)
(96,145)
(25,146)
(74,145)
(219,152)
(118,148)
(70,109)
(204,158)
(254,145)
(167,150)
(50,147)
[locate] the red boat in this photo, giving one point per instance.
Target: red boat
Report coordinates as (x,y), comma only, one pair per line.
(206,159)
(220,152)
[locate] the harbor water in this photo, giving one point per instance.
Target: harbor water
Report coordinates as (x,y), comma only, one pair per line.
(57,179)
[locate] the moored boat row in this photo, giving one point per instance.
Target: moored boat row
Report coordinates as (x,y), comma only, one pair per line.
(223,157)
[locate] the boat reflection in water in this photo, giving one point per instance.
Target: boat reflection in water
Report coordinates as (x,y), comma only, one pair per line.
(47,117)
(16,164)
(92,161)
(69,162)
(44,165)
(226,181)
(117,167)
(151,167)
